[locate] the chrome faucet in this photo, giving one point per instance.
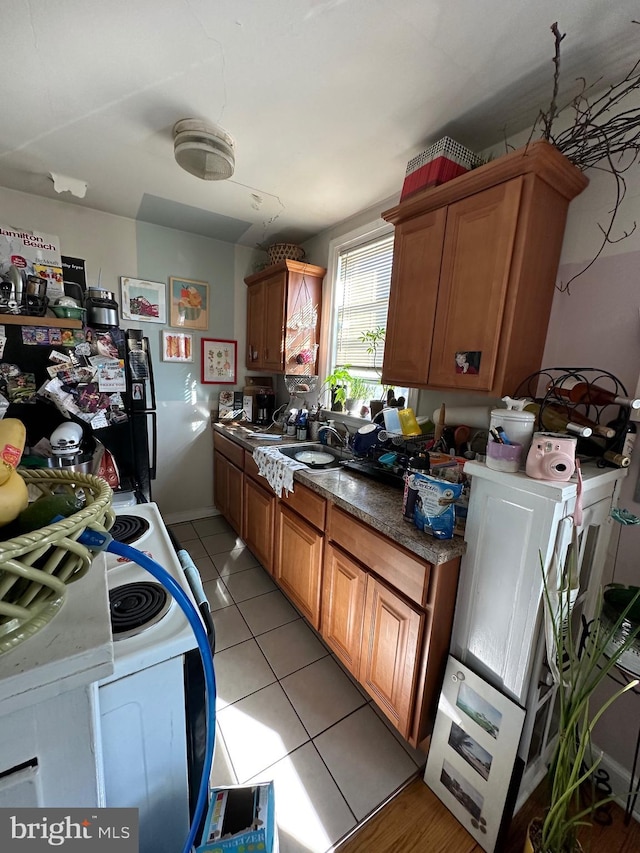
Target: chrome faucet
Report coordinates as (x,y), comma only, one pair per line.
(343,439)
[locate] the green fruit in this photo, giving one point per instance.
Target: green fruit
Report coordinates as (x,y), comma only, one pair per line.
(40,513)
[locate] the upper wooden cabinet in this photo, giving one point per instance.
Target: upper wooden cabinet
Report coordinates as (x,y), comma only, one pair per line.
(283,317)
(474,271)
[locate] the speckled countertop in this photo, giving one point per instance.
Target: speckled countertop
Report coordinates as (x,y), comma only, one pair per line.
(372,502)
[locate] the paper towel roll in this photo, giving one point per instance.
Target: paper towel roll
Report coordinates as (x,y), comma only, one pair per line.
(472,416)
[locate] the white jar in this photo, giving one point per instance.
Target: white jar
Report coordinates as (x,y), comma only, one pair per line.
(517,425)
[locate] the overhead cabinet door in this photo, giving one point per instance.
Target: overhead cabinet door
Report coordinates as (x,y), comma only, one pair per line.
(474,281)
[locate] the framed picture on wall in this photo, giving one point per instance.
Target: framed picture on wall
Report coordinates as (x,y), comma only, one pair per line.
(142,300)
(177,346)
(189,304)
(219,361)
(473,752)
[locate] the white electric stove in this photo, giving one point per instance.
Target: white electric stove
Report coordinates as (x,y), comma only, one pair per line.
(145,711)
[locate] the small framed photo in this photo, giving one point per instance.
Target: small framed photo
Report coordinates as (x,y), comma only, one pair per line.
(189,304)
(219,359)
(177,346)
(472,756)
(145,301)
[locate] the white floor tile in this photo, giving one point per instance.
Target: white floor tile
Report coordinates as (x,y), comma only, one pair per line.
(218,543)
(365,759)
(419,757)
(260,730)
(240,670)
(268,611)
(321,694)
(209,526)
(310,810)
(230,562)
(231,628)
(206,569)
(222,772)
(291,647)
(217,594)
(248,584)
(184,531)
(195,548)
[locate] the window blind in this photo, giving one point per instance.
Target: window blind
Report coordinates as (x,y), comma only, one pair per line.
(362,292)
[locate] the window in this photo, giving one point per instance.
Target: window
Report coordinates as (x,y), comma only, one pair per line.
(360,268)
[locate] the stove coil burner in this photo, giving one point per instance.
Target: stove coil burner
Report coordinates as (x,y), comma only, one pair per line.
(136,606)
(129,528)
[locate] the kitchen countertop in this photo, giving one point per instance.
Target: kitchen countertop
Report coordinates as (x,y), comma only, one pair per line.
(374,503)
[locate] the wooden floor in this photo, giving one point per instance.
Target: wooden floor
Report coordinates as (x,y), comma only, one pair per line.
(415,821)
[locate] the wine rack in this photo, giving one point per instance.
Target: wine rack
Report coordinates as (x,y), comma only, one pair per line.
(596,384)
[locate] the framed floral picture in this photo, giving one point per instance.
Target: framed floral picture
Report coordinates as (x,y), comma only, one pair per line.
(177,346)
(142,300)
(189,304)
(219,358)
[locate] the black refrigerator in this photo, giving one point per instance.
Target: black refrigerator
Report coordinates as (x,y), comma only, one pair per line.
(129,430)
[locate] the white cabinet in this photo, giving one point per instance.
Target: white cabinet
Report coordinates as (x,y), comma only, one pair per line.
(513,522)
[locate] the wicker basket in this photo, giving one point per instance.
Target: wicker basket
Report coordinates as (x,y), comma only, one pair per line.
(36,567)
(285,252)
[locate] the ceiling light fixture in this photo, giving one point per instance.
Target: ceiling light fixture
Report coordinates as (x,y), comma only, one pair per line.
(204,150)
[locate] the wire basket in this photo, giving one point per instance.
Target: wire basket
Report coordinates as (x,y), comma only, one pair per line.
(36,567)
(300,384)
(285,252)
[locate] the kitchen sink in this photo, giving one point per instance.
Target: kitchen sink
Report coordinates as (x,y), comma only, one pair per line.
(317,456)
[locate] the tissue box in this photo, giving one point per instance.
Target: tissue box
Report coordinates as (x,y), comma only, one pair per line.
(240,818)
(439,163)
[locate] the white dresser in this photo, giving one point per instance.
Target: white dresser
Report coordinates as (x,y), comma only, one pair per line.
(498,629)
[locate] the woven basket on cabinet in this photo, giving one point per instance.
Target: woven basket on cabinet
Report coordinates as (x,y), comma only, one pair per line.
(36,567)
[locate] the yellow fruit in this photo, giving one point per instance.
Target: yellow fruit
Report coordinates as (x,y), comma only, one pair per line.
(12,438)
(14,497)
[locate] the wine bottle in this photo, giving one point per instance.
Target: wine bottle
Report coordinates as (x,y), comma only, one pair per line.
(579,391)
(552,420)
(579,418)
(624,433)
(598,449)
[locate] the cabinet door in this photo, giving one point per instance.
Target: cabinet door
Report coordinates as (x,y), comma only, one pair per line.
(391,641)
(343,591)
(298,563)
(476,263)
(417,254)
(255,325)
(259,510)
(234,498)
(220,469)
(274,323)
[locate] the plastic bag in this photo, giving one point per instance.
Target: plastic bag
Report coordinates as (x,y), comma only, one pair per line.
(434,511)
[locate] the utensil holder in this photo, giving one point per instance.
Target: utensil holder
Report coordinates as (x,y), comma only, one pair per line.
(504,457)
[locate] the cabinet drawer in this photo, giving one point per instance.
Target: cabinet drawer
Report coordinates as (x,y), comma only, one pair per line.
(308,504)
(404,572)
(228,448)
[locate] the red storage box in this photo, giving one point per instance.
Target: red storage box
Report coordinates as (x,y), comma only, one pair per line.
(442,161)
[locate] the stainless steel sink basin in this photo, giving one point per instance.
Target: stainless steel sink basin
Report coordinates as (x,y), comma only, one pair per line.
(317,456)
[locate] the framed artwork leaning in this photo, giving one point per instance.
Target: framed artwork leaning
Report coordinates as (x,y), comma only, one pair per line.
(473,751)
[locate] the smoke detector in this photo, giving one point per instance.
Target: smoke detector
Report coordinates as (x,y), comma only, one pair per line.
(204,150)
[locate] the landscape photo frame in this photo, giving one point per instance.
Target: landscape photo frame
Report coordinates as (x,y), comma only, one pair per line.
(142,300)
(189,301)
(473,752)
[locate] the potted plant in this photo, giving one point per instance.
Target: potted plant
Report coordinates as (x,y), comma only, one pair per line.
(374,339)
(578,669)
(337,383)
(359,390)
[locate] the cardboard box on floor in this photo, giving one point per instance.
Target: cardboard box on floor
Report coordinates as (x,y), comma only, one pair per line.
(241,818)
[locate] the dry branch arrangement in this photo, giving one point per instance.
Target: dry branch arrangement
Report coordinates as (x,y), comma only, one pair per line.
(604,135)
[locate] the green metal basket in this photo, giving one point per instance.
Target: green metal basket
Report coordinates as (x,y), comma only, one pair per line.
(36,567)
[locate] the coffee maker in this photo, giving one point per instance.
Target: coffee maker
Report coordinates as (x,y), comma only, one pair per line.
(265,407)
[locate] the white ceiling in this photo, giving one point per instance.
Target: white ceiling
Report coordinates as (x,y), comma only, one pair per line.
(327,100)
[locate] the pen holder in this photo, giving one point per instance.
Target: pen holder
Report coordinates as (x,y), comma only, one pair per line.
(503,457)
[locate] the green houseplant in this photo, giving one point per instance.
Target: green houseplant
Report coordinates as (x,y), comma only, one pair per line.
(374,339)
(579,667)
(337,383)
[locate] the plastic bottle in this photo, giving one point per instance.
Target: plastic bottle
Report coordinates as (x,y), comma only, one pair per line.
(291,423)
(301,425)
(417,464)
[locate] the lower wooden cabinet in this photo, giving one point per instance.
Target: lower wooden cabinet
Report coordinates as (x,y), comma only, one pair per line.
(390,655)
(228,490)
(298,562)
(258,521)
(343,593)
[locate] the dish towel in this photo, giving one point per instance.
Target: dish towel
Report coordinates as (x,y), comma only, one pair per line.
(277,468)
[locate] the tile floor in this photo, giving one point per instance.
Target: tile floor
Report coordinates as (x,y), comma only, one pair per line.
(286,709)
